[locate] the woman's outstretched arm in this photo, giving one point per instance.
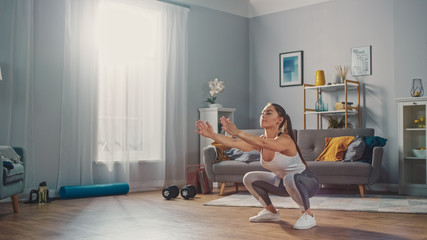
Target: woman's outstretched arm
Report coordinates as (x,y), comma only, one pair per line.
(279,144)
(206,130)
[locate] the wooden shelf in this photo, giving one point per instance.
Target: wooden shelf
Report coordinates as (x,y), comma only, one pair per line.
(334,112)
(333,87)
(330,89)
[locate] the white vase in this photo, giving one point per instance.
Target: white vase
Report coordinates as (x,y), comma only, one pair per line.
(215,105)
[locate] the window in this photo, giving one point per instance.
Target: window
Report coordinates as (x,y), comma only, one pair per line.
(130,85)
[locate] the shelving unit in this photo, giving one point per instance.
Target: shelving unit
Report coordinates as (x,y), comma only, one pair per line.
(345,87)
(212,115)
(412,169)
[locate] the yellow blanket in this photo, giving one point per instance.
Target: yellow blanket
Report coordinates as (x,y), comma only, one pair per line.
(335,148)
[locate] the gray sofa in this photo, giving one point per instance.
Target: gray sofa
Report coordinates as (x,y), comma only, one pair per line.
(12,179)
(311,143)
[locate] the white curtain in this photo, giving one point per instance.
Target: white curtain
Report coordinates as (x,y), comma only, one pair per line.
(79,105)
(105,96)
(16,89)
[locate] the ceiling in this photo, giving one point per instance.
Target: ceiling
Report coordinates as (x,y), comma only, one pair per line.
(252,8)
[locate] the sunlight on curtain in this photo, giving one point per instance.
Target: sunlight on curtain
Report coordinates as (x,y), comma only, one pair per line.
(130,84)
(124,113)
(79,105)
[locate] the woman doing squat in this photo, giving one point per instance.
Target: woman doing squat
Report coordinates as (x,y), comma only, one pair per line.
(279,154)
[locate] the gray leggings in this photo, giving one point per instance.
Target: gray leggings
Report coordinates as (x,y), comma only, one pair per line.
(300,186)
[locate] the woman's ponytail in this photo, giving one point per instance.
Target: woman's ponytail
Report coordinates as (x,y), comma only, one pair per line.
(290,132)
(287,124)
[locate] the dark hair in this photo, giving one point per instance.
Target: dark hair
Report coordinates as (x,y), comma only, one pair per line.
(288,126)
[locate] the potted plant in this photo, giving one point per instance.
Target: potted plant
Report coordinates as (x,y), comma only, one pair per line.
(334,123)
(216,87)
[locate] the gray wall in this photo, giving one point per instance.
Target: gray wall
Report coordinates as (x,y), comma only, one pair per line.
(410,44)
(326,32)
(49,24)
(217,47)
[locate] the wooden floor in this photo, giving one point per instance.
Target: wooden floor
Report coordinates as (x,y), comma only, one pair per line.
(149,216)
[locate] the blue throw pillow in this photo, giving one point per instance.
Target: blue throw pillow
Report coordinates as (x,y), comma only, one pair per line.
(371,142)
(8,165)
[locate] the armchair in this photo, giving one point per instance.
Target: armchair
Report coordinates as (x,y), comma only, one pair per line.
(12,180)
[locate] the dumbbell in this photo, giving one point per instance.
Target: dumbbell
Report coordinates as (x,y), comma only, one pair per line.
(170,192)
(188,191)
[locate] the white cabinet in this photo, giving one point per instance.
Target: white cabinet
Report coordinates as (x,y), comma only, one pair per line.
(335,89)
(412,169)
(212,115)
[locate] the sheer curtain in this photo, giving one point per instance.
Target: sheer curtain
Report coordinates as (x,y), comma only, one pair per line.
(16,91)
(111,95)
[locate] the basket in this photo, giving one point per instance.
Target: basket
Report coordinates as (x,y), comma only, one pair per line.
(196,176)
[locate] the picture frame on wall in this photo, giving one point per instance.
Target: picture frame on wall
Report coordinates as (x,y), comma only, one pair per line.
(291,68)
(361,61)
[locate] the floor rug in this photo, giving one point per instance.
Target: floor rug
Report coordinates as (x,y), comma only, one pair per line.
(342,202)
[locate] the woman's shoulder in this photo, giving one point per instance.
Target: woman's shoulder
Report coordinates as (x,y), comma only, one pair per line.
(285,136)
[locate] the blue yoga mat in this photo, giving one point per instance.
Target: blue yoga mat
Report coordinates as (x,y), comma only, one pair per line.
(96,190)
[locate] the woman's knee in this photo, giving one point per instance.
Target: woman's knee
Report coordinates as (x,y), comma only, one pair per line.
(251,177)
(248,178)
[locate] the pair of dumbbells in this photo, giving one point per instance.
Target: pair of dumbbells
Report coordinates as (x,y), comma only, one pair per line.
(187,192)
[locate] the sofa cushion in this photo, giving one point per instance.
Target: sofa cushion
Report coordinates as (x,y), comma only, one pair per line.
(239,155)
(339,168)
(335,148)
(312,141)
(13,175)
(355,150)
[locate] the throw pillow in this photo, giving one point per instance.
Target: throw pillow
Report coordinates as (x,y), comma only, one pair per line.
(335,148)
(371,142)
(220,151)
(8,165)
(355,150)
(239,155)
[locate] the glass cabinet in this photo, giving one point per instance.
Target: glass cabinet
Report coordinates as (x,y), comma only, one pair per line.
(412,146)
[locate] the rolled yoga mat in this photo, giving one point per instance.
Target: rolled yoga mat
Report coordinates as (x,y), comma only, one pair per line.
(96,190)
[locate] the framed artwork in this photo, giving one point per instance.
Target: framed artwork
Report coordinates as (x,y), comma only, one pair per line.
(291,68)
(361,61)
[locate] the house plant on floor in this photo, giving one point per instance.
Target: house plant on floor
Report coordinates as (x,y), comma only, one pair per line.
(216,87)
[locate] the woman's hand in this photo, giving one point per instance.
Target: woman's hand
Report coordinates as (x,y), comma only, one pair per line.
(229,127)
(204,129)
